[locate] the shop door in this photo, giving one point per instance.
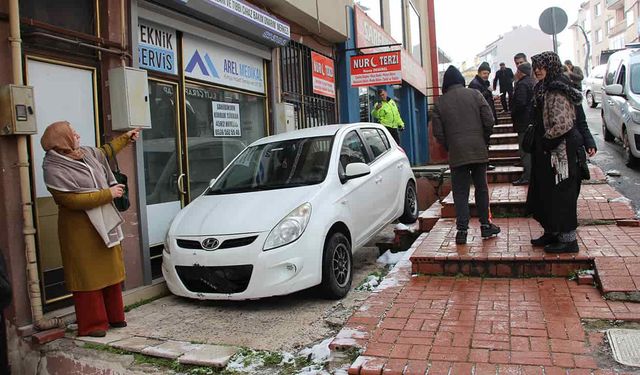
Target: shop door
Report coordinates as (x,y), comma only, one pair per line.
(165,177)
(62,92)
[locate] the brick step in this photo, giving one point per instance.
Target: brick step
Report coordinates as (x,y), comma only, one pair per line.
(504,120)
(504,174)
(619,278)
(503,128)
(503,138)
(510,254)
(504,199)
(428,219)
(505,161)
(503,151)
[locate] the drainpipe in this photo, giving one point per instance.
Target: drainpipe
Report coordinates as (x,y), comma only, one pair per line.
(29,231)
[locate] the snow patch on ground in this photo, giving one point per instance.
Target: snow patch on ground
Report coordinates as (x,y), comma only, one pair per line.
(620,200)
(319,352)
(391,258)
(371,283)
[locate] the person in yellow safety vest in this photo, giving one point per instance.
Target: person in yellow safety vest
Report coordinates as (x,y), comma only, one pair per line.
(386,112)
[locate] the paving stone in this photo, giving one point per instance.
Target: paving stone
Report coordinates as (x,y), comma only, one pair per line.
(209,355)
(136,344)
(47,336)
(170,349)
(108,339)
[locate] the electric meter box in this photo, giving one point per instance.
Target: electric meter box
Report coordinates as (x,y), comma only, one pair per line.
(17,110)
(129,94)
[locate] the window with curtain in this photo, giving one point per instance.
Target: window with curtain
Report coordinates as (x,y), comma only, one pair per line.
(396,16)
(416,35)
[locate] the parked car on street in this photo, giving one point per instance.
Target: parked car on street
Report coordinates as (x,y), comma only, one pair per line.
(621,102)
(288,212)
(592,85)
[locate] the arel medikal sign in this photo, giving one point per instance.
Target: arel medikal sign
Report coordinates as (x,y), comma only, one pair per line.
(157,47)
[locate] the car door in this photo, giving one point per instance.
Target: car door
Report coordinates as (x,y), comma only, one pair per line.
(607,101)
(386,167)
(360,195)
(619,102)
(596,85)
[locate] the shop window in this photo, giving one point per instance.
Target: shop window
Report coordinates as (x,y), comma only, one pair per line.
(220,124)
(396,16)
(367,99)
(416,36)
(297,88)
(76,15)
(372,8)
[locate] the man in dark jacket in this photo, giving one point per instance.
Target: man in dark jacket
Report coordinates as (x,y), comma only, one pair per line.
(521,110)
(575,74)
(463,123)
(504,76)
(481,83)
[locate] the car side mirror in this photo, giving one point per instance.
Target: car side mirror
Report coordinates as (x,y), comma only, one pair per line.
(355,170)
(213,181)
(615,89)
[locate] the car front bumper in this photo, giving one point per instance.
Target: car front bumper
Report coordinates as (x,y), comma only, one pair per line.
(245,272)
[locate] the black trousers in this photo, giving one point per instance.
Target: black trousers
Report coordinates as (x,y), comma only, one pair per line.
(503,99)
(394,133)
(461,178)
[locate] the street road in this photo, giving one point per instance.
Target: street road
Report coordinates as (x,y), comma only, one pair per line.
(610,157)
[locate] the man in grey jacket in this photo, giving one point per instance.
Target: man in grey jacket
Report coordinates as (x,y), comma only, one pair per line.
(463,123)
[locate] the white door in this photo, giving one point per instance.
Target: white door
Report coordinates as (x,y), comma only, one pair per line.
(62,92)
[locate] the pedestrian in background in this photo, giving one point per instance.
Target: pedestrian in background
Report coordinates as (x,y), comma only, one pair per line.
(387,114)
(504,76)
(481,83)
(519,58)
(575,74)
(463,123)
(522,107)
(556,170)
(89,226)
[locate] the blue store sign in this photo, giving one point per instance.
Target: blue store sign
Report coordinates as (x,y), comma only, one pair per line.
(157,48)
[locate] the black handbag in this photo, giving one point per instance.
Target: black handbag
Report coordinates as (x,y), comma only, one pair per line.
(583,165)
(122,203)
(528,139)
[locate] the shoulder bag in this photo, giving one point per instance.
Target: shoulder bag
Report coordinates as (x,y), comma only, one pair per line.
(122,203)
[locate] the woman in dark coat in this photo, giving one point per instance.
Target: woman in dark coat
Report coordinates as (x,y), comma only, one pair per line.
(557,156)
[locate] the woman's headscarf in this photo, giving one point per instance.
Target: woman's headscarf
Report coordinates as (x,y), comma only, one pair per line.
(554,80)
(59,137)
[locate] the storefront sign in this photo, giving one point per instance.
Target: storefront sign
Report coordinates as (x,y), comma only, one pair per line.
(157,48)
(237,16)
(226,119)
(383,68)
(369,33)
(211,62)
(324,81)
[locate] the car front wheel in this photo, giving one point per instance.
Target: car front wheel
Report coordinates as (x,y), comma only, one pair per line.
(591,100)
(410,213)
(629,160)
(337,266)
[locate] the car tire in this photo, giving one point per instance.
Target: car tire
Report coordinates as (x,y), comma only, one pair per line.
(629,160)
(410,213)
(591,100)
(608,137)
(337,266)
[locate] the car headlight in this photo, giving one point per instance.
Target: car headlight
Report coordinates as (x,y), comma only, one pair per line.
(635,116)
(290,228)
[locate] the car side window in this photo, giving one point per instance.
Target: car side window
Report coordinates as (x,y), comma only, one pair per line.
(384,139)
(353,150)
(612,70)
(621,77)
(373,139)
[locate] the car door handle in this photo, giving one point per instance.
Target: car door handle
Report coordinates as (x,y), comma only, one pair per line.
(378,179)
(400,166)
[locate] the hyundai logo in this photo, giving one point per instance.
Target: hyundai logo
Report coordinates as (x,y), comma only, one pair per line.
(210,244)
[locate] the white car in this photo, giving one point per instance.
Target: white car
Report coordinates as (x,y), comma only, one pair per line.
(287,214)
(621,103)
(592,85)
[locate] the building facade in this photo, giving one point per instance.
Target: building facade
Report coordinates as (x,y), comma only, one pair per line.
(270,65)
(608,24)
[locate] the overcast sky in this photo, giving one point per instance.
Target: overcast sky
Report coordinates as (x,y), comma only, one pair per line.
(465,27)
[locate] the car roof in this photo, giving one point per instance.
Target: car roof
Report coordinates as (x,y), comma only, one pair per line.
(318,131)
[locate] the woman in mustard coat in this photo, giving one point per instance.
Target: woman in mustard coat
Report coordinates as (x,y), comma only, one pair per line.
(83,187)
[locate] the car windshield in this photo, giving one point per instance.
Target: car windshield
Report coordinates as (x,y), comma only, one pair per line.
(635,74)
(276,165)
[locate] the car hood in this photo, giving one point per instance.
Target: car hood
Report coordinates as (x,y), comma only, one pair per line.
(239,213)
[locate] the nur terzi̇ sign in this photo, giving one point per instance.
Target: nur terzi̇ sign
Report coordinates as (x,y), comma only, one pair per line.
(383,68)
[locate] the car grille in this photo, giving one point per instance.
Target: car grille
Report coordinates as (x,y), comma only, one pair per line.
(227,280)
(227,244)
(637,139)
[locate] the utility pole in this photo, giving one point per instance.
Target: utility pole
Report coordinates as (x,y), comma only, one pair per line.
(586,58)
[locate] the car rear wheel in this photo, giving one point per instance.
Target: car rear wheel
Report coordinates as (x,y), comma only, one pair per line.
(337,266)
(629,160)
(608,137)
(591,100)
(410,214)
